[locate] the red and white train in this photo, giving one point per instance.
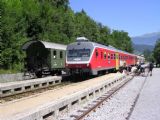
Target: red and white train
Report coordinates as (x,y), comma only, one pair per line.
(84,56)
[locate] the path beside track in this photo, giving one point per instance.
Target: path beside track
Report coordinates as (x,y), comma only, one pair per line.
(148,104)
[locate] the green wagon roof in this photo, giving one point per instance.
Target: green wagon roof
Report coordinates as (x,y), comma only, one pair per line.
(48,45)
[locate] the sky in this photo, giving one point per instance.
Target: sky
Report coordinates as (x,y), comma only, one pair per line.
(137,17)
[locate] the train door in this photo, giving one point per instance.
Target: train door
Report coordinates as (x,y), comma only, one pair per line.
(117,61)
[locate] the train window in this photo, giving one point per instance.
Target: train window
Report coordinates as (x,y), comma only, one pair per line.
(101,55)
(61,54)
(79,53)
(105,55)
(114,57)
(96,53)
(54,54)
(111,56)
(108,56)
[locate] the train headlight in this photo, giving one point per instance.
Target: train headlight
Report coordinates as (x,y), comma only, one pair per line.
(87,64)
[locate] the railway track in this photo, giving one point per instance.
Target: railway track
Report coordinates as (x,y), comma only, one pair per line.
(99,101)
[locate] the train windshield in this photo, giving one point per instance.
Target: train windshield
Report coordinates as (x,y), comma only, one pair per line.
(79,53)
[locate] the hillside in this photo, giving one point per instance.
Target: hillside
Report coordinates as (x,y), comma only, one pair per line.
(139,49)
(146,39)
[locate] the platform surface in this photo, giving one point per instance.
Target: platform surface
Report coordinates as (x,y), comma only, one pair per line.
(27,104)
(148,104)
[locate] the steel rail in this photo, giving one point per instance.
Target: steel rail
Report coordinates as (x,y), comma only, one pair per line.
(102,99)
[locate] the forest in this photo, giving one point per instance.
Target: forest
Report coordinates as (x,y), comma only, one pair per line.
(49,20)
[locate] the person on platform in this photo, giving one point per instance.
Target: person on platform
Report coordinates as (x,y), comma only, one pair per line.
(150,68)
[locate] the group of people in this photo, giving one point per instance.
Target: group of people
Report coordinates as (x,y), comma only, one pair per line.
(141,69)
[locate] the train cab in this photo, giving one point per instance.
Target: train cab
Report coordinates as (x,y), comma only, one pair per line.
(78,55)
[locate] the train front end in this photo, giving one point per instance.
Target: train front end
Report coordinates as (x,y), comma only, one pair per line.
(78,56)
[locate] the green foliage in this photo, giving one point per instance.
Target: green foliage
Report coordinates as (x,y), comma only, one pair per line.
(121,40)
(48,20)
(12,33)
(148,54)
(156,52)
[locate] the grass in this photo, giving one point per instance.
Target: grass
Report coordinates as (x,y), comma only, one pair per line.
(2,71)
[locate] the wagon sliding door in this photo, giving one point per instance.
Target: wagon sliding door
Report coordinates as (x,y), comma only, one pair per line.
(58,57)
(117,61)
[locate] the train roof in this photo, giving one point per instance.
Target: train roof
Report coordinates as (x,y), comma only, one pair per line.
(104,46)
(85,40)
(111,48)
(48,45)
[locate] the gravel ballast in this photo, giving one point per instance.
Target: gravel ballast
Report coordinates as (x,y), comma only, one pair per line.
(118,106)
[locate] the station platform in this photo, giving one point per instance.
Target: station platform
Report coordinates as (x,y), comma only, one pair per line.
(148,104)
(40,105)
(11,88)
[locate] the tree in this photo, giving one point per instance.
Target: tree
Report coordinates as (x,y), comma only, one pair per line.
(148,55)
(104,34)
(48,20)
(156,52)
(12,34)
(85,26)
(121,40)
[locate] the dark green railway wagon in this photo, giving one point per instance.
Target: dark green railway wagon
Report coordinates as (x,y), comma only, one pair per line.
(44,57)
